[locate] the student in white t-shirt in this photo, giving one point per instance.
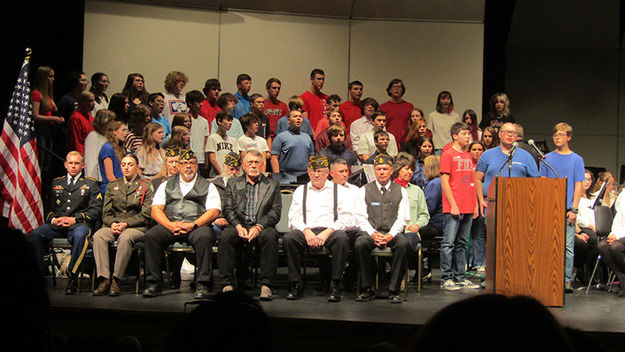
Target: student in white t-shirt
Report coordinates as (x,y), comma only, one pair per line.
(174,99)
(250,140)
(220,143)
(199,130)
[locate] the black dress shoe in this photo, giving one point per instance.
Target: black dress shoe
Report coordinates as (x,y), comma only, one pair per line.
(296,291)
(201,292)
(335,294)
(367,295)
(394,297)
(72,286)
(568,288)
(153,290)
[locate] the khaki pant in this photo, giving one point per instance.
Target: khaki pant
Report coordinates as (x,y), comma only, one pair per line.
(125,241)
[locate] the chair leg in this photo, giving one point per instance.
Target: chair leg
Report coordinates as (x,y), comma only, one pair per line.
(419,269)
(593,273)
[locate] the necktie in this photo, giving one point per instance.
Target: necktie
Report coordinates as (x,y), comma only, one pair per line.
(72,179)
(383,190)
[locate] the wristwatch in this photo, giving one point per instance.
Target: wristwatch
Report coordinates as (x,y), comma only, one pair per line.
(194,225)
(574,210)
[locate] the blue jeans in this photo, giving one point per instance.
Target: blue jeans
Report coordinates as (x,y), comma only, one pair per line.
(569,253)
(454,246)
(477,253)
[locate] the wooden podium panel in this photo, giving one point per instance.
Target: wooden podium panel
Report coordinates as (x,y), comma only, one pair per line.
(526,238)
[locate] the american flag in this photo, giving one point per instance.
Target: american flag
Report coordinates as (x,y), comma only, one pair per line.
(20,176)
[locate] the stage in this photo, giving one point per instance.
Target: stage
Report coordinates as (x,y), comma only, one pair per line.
(310,323)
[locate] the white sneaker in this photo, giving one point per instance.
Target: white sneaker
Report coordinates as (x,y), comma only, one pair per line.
(449,285)
(467,284)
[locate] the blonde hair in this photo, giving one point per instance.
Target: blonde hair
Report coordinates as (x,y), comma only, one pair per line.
(118,146)
(149,144)
(563,126)
(172,78)
(432,166)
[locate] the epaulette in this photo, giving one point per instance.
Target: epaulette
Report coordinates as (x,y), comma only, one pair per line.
(90,178)
(60,177)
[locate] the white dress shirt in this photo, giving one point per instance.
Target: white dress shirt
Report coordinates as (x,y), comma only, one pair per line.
(213,201)
(618,225)
(320,208)
(403,213)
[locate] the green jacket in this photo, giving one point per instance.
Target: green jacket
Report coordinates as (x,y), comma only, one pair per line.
(130,204)
(418,208)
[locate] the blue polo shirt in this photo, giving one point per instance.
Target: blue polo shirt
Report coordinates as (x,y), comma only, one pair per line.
(570,166)
(162,120)
(242,107)
(523,165)
(293,150)
(283,125)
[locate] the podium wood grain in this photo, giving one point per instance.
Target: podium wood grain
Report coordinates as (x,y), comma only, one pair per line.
(525,238)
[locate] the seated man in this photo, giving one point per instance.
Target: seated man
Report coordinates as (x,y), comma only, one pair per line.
(383,215)
(292,148)
(381,139)
(184,206)
(74,205)
(318,216)
(252,205)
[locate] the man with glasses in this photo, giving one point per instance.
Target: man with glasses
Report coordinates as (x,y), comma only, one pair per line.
(184,206)
(570,165)
(492,160)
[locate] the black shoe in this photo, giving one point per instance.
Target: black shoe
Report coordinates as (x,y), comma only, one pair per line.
(72,286)
(568,288)
(335,294)
(296,291)
(367,295)
(153,290)
(394,297)
(201,292)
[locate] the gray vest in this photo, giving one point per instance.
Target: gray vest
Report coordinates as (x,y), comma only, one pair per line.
(382,210)
(191,206)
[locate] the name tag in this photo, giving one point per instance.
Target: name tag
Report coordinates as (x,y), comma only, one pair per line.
(375,204)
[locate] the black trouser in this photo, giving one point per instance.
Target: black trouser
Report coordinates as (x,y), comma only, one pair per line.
(586,252)
(158,238)
(295,242)
(614,256)
(230,243)
(400,247)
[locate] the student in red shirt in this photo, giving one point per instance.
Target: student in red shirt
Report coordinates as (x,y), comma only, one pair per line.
(459,208)
(397,110)
(351,108)
(81,122)
(274,108)
(210,108)
(315,108)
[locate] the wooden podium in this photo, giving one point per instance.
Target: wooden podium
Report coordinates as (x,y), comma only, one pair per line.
(526,238)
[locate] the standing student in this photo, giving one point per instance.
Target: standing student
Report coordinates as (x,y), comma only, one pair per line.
(174,100)
(199,130)
(210,108)
(441,120)
(397,110)
(570,165)
(242,107)
(274,108)
(135,91)
(81,122)
(111,154)
(459,208)
(351,108)
(99,85)
(315,106)
(150,154)
(220,143)
(363,124)
(251,141)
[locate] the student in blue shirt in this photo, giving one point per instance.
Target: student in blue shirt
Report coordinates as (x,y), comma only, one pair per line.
(570,165)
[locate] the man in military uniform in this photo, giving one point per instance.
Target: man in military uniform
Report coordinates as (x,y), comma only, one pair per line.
(184,207)
(74,206)
(252,206)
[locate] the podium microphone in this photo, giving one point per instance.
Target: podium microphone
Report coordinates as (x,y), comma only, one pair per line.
(531,142)
(513,149)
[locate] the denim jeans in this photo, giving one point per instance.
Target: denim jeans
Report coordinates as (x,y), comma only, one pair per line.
(454,246)
(569,253)
(477,253)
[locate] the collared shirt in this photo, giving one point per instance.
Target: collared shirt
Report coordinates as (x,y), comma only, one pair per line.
(242,107)
(366,144)
(251,202)
(357,128)
(69,178)
(213,201)
(320,208)
(403,213)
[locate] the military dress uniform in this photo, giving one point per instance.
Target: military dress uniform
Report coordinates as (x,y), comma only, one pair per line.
(77,197)
(124,202)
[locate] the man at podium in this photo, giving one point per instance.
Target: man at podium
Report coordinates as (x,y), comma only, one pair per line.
(494,160)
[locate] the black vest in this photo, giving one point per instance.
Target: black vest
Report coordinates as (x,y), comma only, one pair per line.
(382,209)
(191,206)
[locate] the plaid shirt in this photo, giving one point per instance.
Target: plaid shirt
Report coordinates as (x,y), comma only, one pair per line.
(251,196)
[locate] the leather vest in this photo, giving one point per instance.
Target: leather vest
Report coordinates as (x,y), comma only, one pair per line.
(382,209)
(191,206)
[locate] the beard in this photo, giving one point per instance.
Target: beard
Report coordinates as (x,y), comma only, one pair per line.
(337,148)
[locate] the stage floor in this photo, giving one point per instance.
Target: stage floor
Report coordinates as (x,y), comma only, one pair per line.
(599,313)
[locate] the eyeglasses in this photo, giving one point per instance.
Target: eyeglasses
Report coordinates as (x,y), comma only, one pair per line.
(559,135)
(185,163)
(512,133)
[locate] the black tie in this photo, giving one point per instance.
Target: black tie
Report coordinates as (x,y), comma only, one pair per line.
(383,190)
(71,180)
